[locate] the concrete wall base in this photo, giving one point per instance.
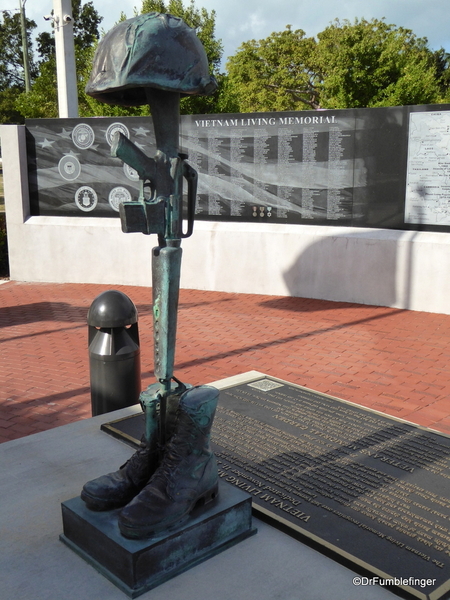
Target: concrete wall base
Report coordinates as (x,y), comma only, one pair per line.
(403,269)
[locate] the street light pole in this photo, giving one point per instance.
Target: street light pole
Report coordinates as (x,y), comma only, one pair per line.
(65,59)
(26,62)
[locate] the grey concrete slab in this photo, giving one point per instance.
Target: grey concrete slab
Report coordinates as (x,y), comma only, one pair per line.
(42,470)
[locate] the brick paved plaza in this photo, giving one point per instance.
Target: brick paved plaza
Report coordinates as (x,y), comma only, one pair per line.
(394,361)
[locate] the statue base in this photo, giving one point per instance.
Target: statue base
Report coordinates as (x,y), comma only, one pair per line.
(136,566)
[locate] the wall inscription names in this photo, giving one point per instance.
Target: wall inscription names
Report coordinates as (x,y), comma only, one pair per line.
(372,167)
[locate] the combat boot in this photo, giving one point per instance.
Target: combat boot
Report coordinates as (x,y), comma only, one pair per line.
(115,490)
(187,475)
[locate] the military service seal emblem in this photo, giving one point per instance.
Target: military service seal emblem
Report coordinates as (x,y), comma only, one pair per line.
(83,136)
(86,198)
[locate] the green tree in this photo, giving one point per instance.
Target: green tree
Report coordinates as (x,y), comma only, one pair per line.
(277,73)
(11,65)
(442,64)
(372,63)
(42,100)
(86,21)
(12,80)
(350,65)
(9,112)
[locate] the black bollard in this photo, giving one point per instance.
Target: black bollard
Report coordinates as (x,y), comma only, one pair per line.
(114,354)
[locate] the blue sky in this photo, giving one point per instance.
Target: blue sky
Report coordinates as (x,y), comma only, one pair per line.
(240,20)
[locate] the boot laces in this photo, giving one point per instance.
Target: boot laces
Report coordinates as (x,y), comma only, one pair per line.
(134,463)
(181,445)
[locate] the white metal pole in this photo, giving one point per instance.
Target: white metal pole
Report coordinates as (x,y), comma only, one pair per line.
(65,59)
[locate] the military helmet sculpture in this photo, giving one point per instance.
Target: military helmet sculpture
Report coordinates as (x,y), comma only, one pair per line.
(151,50)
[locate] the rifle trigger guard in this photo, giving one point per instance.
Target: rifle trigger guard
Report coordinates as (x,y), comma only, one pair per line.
(191,176)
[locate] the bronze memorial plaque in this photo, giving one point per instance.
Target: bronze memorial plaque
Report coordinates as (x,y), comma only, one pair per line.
(368,487)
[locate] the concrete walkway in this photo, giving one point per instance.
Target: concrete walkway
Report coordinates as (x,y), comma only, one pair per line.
(394,361)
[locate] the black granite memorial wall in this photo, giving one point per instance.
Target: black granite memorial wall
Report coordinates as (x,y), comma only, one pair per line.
(379,167)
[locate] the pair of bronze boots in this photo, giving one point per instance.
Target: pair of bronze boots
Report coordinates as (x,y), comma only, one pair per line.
(159,494)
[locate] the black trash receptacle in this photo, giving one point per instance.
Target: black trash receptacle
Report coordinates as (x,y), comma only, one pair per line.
(114,354)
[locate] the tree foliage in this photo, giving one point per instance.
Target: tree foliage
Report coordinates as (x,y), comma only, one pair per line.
(12,76)
(371,63)
(11,65)
(277,73)
(42,100)
(86,21)
(351,65)
(348,65)
(9,111)
(442,65)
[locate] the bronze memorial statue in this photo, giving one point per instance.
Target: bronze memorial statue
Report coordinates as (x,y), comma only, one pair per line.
(155,58)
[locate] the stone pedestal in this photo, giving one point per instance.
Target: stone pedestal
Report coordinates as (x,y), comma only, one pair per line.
(137,566)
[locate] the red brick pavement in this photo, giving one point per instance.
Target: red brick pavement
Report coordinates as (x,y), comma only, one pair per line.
(394,361)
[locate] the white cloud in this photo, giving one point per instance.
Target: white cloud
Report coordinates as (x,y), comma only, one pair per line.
(253,26)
